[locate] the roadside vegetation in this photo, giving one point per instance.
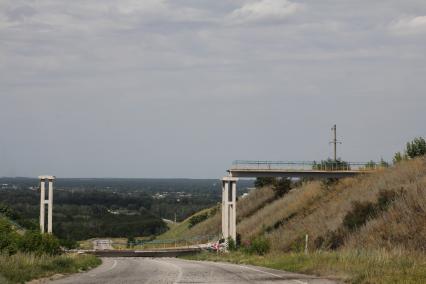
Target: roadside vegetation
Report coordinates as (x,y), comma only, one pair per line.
(351,266)
(22,267)
(366,229)
(28,254)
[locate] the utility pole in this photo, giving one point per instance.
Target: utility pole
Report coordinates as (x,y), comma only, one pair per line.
(335,142)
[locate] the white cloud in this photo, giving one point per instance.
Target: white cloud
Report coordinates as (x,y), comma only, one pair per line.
(265,10)
(409,26)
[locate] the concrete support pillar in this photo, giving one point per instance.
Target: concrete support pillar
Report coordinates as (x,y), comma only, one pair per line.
(233,212)
(229,207)
(43,203)
(225,209)
(42,198)
(50,208)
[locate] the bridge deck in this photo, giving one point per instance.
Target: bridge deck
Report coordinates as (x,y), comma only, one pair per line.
(247,169)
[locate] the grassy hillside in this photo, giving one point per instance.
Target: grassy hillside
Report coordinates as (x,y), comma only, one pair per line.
(319,209)
(246,207)
(367,229)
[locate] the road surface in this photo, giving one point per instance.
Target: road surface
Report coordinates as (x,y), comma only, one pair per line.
(173,270)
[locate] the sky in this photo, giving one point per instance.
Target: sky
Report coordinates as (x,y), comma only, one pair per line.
(181,88)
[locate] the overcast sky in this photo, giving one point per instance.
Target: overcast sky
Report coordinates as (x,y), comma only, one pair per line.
(181,88)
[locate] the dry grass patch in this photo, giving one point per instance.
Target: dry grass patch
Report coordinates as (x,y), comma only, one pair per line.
(359,266)
(327,212)
(276,213)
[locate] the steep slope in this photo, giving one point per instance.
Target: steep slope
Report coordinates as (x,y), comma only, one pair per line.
(246,207)
(319,209)
(323,219)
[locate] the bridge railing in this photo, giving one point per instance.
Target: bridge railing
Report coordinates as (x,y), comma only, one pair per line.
(326,165)
(165,243)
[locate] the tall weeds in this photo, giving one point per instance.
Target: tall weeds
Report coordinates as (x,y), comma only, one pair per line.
(23,267)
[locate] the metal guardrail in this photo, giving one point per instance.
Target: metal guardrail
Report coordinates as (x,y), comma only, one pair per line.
(184,241)
(305,165)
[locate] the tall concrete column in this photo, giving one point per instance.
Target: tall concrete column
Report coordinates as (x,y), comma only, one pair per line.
(50,208)
(229,207)
(233,209)
(225,209)
(42,202)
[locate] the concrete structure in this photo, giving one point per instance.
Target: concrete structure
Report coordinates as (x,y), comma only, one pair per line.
(229,207)
(253,173)
(43,203)
(254,169)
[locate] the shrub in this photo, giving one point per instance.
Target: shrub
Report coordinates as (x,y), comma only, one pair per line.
(328,183)
(282,186)
(194,220)
(361,212)
(8,238)
(264,181)
(232,246)
(332,240)
(331,165)
(259,246)
(413,149)
(35,242)
(416,148)
(298,245)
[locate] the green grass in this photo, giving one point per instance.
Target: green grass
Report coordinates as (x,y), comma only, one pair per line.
(352,266)
(180,229)
(20,267)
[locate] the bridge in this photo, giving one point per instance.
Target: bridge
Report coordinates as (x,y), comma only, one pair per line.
(305,169)
(282,169)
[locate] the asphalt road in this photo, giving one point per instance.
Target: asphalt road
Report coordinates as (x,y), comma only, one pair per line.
(172,270)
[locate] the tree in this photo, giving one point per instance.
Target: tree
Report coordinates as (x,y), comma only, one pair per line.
(413,149)
(264,181)
(371,165)
(416,148)
(282,186)
(398,157)
(383,163)
(332,165)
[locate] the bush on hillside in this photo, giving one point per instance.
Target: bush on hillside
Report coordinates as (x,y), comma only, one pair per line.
(214,210)
(264,181)
(358,216)
(363,211)
(232,245)
(31,242)
(8,238)
(331,240)
(282,186)
(194,220)
(35,242)
(259,245)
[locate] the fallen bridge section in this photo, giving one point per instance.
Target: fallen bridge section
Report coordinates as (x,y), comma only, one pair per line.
(143,253)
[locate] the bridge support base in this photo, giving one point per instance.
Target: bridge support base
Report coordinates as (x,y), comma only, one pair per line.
(229,208)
